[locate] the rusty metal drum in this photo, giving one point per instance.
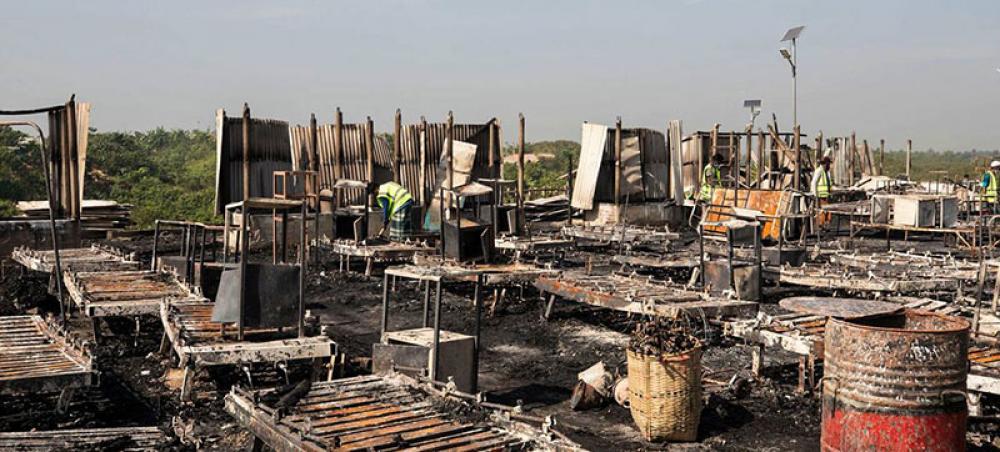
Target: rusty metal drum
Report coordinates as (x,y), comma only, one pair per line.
(895,383)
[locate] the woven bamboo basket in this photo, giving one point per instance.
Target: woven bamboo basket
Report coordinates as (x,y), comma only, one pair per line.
(665,394)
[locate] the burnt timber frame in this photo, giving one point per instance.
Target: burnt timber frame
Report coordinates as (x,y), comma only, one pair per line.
(139,438)
(374,413)
(38,356)
(94,258)
(621,233)
(639,296)
(123,293)
(199,342)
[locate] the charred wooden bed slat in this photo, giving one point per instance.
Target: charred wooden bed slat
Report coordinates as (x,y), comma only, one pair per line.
(120,438)
(123,293)
(95,258)
(201,342)
(366,413)
(37,356)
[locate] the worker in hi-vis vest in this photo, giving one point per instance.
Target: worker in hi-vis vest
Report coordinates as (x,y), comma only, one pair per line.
(988,198)
(395,201)
(711,178)
(821,185)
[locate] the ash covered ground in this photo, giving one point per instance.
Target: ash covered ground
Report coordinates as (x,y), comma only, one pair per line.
(525,359)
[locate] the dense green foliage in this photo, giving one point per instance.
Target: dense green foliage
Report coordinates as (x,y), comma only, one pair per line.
(170,174)
(957,164)
(166,174)
(163,173)
(550,170)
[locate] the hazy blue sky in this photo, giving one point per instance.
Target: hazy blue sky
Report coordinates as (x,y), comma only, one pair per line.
(892,69)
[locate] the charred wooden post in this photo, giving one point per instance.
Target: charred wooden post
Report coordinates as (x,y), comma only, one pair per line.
(369,166)
(520,174)
(303,252)
(736,166)
(74,161)
(618,166)
(853,156)
(397,147)
(425,195)
(798,157)
(748,132)
(569,191)
(246,151)
(735,158)
(450,149)
(338,151)
(495,173)
(818,151)
(909,161)
(313,159)
(760,159)
(881,157)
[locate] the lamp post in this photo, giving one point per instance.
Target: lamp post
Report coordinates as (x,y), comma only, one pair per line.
(793,35)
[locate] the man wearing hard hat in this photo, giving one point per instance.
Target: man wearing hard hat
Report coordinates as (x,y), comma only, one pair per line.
(988,197)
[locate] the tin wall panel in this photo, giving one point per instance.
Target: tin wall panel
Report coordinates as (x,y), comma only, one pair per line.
(270,151)
(415,164)
(353,159)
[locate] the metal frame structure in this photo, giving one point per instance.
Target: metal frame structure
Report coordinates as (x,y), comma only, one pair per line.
(438,276)
(639,295)
(246,207)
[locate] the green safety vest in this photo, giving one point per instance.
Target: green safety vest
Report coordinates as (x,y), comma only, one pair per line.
(395,195)
(990,195)
(706,189)
(823,187)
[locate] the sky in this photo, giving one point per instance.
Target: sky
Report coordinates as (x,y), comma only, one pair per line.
(894,69)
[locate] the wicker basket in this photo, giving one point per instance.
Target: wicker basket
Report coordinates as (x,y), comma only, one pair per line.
(665,394)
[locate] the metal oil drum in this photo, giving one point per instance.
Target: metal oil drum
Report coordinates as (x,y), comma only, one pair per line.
(895,383)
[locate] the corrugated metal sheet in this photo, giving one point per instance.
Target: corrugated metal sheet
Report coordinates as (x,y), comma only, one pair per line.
(270,151)
(415,164)
(352,159)
(653,162)
(593,142)
(67,142)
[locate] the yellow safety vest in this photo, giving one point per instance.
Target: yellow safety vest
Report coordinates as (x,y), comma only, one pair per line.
(706,189)
(395,195)
(990,194)
(823,187)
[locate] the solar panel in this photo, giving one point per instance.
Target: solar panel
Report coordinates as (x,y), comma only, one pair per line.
(793,33)
(753,103)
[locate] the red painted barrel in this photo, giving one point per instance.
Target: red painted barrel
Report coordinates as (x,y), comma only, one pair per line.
(895,383)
